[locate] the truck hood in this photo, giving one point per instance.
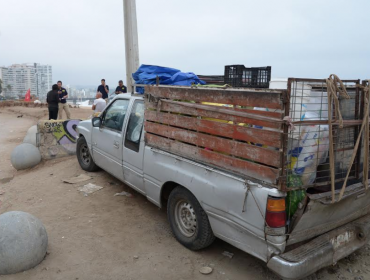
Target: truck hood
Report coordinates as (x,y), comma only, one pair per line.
(84,129)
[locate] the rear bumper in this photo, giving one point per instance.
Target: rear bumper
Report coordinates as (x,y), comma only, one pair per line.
(322,251)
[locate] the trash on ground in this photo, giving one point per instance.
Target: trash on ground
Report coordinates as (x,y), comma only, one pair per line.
(228,254)
(136,257)
(123,194)
(89,188)
(77,179)
(206,270)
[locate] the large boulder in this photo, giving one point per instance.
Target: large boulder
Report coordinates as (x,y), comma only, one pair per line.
(31,135)
(23,242)
(25,156)
(32,129)
(30,138)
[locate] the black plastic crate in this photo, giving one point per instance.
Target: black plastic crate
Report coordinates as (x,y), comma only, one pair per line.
(241,76)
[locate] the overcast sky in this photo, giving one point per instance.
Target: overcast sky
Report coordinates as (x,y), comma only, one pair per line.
(84,41)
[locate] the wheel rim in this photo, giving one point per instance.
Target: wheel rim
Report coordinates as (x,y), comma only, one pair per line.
(185,217)
(85,154)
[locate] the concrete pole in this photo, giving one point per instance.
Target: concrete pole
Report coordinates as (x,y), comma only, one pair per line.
(131,41)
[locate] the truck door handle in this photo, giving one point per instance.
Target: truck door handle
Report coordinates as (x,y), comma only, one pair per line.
(116,144)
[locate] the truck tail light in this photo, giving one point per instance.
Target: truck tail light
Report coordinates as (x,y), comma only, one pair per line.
(275,212)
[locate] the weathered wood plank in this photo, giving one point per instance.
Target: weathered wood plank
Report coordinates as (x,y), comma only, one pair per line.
(247,134)
(243,97)
(242,167)
(218,112)
(231,147)
(271,114)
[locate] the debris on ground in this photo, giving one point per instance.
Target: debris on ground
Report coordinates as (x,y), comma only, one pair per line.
(123,194)
(228,254)
(6,180)
(136,257)
(77,179)
(206,270)
(89,188)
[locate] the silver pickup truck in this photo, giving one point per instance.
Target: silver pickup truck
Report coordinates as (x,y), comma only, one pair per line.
(204,202)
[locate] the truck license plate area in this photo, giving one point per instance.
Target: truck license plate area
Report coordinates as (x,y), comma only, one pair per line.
(346,242)
(343,239)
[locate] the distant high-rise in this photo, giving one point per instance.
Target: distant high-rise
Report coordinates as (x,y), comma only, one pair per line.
(18,78)
(44,77)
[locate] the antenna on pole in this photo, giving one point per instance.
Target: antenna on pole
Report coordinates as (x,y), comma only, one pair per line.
(131,41)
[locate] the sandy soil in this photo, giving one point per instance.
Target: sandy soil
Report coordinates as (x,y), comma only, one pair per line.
(103,236)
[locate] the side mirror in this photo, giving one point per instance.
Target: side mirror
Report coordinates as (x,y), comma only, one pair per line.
(96,122)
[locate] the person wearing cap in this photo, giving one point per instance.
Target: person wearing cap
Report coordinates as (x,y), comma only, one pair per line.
(121,88)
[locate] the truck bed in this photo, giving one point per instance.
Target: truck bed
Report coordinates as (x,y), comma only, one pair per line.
(246,132)
(190,122)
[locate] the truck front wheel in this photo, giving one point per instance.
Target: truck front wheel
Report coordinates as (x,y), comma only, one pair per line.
(188,220)
(84,157)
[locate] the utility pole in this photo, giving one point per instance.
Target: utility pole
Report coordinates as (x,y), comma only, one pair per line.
(131,41)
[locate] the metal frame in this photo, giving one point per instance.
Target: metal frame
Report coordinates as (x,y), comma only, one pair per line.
(348,123)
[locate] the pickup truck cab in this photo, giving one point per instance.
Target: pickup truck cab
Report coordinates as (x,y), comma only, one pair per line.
(204,202)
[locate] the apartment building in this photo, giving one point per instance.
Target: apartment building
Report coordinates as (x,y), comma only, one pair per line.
(44,78)
(18,78)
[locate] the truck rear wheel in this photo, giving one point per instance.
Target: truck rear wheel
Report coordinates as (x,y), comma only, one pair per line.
(188,220)
(84,157)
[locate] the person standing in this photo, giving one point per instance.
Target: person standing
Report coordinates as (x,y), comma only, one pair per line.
(104,90)
(63,95)
(52,98)
(121,88)
(99,103)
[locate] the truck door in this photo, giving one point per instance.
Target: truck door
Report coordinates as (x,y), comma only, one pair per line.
(107,139)
(133,150)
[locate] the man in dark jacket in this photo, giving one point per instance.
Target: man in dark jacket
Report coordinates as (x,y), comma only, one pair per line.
(52,99)
(104,90)
(121,88)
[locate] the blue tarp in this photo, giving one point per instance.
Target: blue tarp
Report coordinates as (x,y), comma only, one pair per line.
(147,75)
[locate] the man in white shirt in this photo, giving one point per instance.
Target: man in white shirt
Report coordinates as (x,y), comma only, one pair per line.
(99,103)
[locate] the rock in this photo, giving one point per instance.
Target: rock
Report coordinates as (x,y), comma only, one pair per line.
(136,257)
(23,242)
(31,136)
(228,254)
(25,156)
(206,270)
(32,129)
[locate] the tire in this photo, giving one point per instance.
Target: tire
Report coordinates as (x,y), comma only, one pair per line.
(188,220)
(84,157)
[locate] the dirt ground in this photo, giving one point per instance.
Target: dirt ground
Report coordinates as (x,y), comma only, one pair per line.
(102,236)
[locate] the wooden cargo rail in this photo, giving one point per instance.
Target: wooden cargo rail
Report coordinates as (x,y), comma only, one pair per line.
(219,127)
(250,132)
